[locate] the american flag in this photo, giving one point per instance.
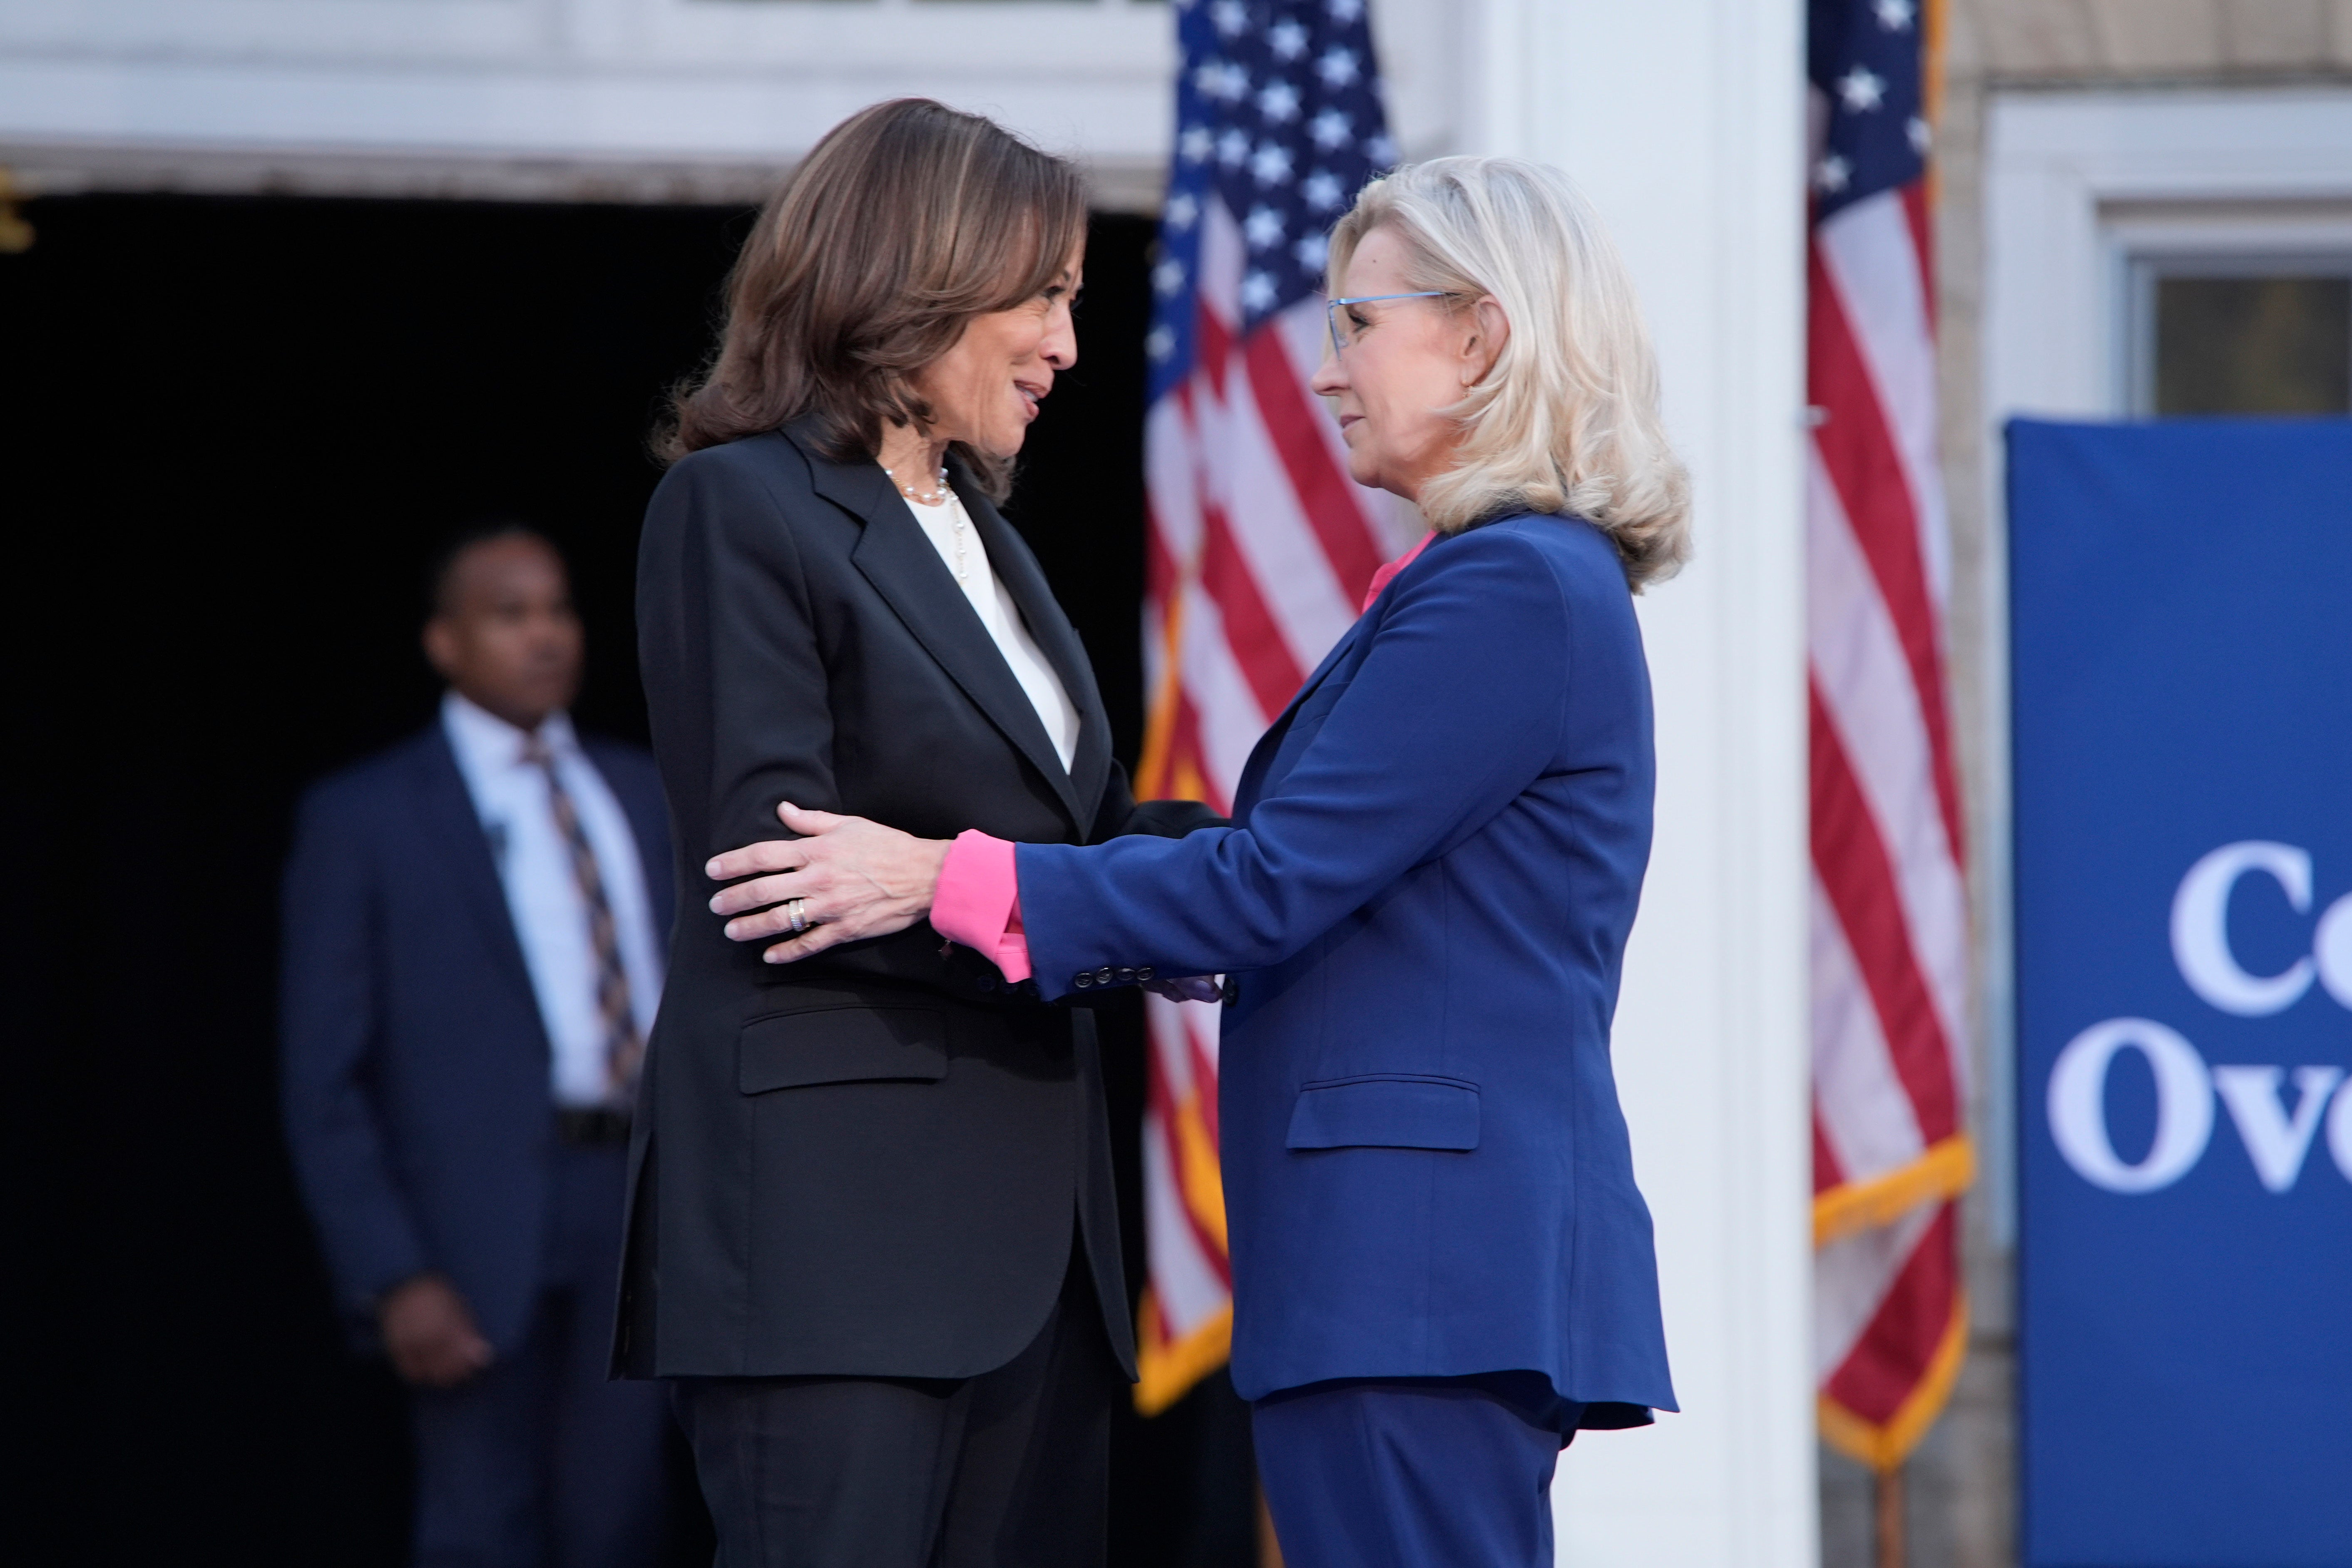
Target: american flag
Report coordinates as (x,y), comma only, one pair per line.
(1260,548)
(1890,923)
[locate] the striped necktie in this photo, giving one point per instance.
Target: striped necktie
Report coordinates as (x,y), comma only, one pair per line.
(624,1047)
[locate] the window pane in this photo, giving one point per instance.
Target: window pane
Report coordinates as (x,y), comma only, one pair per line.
(2254,345)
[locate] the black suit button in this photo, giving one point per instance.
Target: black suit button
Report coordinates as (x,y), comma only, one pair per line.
(1144,973)
(1082,979)
(1103,975)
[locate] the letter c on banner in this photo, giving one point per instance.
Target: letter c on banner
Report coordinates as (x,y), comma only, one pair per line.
(2201,932)
(2332,946)
(2078,1110)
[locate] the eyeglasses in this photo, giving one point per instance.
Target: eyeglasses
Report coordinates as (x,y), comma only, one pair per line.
(1342,336)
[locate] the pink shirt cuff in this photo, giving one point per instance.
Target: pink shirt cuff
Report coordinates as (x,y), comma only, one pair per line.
(977,902)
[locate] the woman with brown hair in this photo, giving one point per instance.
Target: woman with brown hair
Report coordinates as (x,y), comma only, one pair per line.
(871,1233)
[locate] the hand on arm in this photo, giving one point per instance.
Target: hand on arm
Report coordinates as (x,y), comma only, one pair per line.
(856,879)
(853,878)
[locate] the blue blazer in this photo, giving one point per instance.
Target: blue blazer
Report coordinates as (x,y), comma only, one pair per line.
(414,1066)
(1424,898)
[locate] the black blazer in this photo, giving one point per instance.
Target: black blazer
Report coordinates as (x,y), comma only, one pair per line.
(874,1162)
(413,1067)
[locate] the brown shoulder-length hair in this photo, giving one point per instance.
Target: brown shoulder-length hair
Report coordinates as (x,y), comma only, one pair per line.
(908,219)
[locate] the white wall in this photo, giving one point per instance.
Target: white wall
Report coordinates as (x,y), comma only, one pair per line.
(2075,180)
(1683,120)
(510,96)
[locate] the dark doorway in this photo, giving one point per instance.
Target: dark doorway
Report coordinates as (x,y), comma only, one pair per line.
(235,431)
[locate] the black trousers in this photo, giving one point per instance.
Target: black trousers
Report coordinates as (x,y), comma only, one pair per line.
(539,1461)
(1008,1469)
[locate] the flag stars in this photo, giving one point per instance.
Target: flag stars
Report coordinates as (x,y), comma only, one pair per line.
(1345,10)
(1232,147)
(1271,163)
(1160,342)
(1895,16)
(1330,128)
(1381,150)
(1168,277)
(1196,143)
(1861,90)
(1278,102)
(1221,79)
(1230,17)
(1322,190)
(1258,292)
(1338,68)
(1312,252)
(1916,129)
(1833,175)
(1263,228)
(1183,208)
(1287,39)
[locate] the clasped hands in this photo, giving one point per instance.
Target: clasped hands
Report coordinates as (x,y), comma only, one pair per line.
(848,879)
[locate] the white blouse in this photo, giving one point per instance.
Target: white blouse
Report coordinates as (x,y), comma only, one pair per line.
(949,529)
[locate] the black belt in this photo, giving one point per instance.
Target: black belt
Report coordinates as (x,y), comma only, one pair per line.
(591,1127)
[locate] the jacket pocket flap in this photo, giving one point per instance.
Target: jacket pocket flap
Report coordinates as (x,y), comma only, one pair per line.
(1386,1111)
(841,1045)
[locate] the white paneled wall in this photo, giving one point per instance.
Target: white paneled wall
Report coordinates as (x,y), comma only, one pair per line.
(313,91)
(1683,120)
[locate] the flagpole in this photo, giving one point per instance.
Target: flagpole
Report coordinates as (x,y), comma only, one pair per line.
(1888,1493)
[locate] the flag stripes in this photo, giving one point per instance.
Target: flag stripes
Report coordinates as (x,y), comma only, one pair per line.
(1261,546)
(1890,917)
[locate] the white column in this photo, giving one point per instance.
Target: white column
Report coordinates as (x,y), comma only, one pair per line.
(1684,120)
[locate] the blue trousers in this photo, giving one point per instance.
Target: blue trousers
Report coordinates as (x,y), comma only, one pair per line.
(539,1461)
(1414,1472)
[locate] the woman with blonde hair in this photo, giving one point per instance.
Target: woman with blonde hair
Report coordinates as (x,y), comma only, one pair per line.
(1442,1269)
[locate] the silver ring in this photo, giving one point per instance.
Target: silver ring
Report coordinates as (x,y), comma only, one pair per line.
(792,911)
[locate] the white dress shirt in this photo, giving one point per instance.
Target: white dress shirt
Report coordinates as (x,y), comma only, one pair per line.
(950,530)
(550,917)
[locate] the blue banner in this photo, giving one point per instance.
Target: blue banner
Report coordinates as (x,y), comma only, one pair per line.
(2181,643)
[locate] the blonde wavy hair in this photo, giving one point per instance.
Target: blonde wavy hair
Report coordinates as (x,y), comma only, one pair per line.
(1567,420)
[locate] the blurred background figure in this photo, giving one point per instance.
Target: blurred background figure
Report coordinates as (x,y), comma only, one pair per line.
(472,957)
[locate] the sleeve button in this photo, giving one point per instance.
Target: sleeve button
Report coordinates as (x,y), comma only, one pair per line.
(1144,973)
(1082,979)
(1103,975)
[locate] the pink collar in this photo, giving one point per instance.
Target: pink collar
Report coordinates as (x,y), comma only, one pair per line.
(1380,578)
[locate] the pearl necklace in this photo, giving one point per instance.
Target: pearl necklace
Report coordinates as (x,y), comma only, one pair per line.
(941,495)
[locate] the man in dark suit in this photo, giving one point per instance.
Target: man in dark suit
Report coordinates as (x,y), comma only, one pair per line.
(474,925)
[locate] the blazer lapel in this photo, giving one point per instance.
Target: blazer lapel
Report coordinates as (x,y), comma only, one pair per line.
(1261,755)
(908,573)
(1017,569)
(454,827)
